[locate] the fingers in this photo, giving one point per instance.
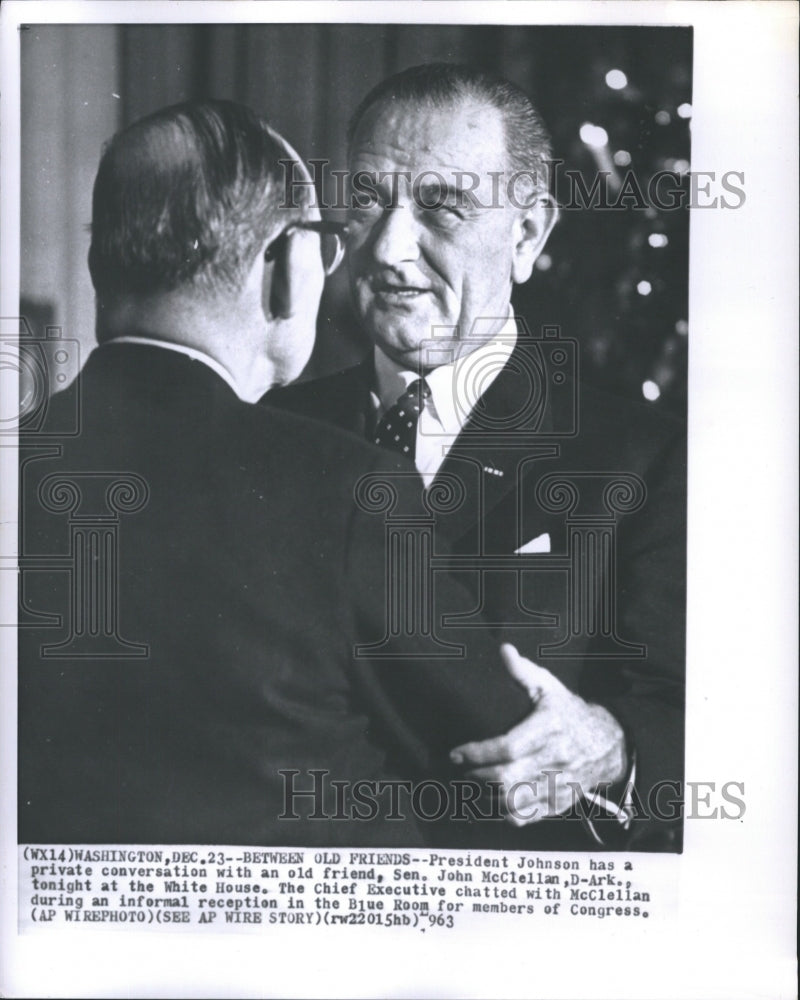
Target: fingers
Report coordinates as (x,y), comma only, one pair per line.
(532,733)
(535,679)
(527,800)
(564,745)
(494,751)
(520,770)
(529,737)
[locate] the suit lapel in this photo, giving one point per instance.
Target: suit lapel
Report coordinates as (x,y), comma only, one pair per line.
(341,399)
(508,425)
(349,402)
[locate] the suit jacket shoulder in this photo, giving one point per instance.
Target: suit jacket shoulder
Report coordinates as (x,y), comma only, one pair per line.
(241,574)
(341,399)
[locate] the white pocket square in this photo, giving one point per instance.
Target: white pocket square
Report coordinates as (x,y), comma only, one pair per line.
(539,544)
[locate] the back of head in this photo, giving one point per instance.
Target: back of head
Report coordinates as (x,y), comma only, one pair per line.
(184,197)
(444,84)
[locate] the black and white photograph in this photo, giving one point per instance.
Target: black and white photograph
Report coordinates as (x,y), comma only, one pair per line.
(366,376)
(250,643)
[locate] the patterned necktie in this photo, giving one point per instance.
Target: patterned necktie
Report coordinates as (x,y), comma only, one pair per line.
(397,428)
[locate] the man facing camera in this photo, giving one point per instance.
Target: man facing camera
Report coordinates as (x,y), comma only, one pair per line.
(570,536)
(202,594)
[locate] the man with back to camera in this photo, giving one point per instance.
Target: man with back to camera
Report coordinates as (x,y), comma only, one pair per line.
(204,567)
(449,208)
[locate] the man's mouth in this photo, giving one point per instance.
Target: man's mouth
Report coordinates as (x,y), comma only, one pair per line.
(391,291)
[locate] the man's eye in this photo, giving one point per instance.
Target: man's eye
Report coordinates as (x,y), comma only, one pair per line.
(363,203)
(361,217)
(444,213)
(438,202)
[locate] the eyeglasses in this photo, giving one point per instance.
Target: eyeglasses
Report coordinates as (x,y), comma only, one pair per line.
(331,238)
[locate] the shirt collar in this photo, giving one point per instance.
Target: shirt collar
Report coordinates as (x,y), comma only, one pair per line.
(456,387)
(190,352)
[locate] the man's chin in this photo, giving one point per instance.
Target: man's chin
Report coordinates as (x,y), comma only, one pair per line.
(415,348)
(406,356)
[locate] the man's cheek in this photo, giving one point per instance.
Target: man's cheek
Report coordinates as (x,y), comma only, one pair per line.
(357,257)
(359,287)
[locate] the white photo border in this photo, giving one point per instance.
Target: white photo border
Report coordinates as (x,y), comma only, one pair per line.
(733,935)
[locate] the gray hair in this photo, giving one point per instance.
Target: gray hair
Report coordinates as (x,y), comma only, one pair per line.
(442,84)
(185,196)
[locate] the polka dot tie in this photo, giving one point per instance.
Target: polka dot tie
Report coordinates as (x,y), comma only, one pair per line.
(397,428)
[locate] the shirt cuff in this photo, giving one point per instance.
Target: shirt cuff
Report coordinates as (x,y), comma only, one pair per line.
(610,809)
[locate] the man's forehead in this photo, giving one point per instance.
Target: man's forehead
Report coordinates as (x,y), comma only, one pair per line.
(464,134)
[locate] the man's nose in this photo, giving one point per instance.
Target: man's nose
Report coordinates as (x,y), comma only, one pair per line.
(397,238)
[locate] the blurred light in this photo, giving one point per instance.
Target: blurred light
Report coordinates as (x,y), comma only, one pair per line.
(650,213)
(681,167)
(650,391)
(622,157)
(544,262)
(682,327)
(616,79)
(644,288)
(593,135)
(684,111)
(657,240)
(663,118)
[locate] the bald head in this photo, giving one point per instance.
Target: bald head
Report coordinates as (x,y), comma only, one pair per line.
(186,197)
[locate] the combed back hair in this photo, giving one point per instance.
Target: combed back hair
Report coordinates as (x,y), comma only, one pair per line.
(185,196)
(443,84)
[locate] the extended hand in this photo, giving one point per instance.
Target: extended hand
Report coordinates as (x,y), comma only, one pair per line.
(564,740)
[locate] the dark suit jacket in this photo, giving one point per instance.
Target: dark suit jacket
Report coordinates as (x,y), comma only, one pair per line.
(605,478)
(202,622)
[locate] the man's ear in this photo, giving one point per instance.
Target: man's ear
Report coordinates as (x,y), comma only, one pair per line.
(531,231)
(294,276)
(276,292)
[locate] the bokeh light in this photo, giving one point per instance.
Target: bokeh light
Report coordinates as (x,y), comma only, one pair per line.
(616,79)
(650,391)
(593,135)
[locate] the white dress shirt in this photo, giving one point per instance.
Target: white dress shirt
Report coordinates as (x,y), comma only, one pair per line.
(455,389)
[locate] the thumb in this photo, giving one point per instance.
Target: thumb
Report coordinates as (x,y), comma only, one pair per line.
(536,680)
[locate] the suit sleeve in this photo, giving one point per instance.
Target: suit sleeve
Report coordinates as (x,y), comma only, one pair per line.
(647,695)
(431,687)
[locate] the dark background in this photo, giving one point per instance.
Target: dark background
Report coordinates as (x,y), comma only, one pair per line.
(82,83)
